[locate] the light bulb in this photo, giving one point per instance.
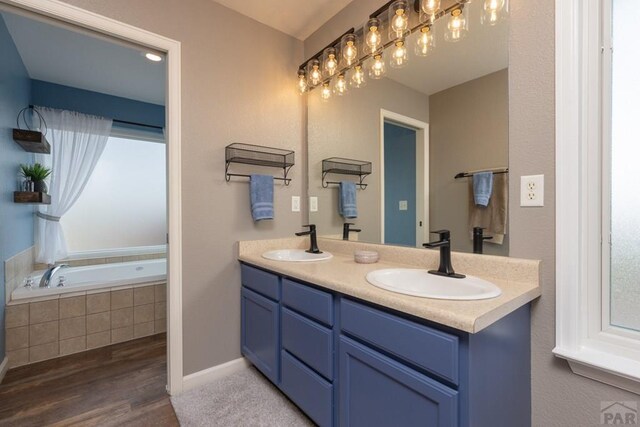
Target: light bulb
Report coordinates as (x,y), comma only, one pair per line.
(330,62)
(302,82)
(314,73)
(456,27)
(378,68)
(373,38)
(399,55)
(349,49)
(430,7)
(340,86)
(357,77)
(425,41)
(399,23)
(325,92)
(493,11)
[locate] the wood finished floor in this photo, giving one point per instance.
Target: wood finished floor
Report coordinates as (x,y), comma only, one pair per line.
(119,385)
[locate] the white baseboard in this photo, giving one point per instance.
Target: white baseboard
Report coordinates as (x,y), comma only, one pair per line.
(4,367)
(214,373)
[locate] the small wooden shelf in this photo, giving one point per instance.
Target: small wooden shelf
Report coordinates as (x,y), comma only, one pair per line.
(32,141)
(31,197)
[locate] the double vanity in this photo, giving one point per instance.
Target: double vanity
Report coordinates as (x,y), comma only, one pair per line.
(348,349)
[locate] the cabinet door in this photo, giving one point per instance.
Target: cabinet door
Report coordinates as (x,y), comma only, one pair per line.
(260,331)
(375,390)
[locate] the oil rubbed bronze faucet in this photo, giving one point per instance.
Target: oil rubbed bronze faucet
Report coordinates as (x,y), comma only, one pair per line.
(444,244)
(313,249)
(346,229)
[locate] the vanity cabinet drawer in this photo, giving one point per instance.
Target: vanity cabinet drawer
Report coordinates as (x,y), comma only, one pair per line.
(308,341)
(425,347)
(309,301)
(375,390)
(264,283)
(307,389)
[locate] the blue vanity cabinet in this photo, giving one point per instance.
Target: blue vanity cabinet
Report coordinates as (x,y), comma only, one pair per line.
(260,335)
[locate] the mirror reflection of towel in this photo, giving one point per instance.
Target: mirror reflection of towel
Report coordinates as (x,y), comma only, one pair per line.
(347,205)
(493,217)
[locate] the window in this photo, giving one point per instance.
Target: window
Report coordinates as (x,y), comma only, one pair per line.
(124,203)
(597,217)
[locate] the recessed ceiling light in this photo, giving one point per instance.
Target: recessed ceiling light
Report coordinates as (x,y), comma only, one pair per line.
(153,57)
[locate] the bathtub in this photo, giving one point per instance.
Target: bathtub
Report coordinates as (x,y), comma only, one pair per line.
(96,277)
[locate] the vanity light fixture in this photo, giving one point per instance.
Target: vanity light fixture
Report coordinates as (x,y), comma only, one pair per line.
(425,42)
(494,11)
(340,85)
(325,92)
(398,19)
(349,49)
(377,68)
(373,39)
(457,26)
(153,57)
(329,62)
(399,55)
(303,86)
(358,79)
(313,72)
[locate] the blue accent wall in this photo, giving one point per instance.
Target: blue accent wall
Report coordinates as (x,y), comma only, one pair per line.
(62,97)
(399,184)
(16,220)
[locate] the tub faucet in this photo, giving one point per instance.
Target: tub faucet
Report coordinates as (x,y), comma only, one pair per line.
(313,249)
(46,277)
(445,268)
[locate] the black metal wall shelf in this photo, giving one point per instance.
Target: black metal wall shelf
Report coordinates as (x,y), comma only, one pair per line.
(342,166)
(258,155)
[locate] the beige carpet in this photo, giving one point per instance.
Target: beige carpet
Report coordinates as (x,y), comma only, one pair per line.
(245,398)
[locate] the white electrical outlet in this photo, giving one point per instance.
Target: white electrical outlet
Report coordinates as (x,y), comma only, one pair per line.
(295,203)
(532,190)
(403,205)
(313,204)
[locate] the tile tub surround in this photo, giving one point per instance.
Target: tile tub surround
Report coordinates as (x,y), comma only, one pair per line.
(80,321)
(518,278)
(16,269)
(106,260)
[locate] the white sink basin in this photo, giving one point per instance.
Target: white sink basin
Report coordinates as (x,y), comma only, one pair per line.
(295,255)
(421,283)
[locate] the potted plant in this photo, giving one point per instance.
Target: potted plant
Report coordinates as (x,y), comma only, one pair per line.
(37,173)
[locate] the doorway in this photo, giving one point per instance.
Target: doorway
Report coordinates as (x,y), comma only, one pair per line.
(404,174)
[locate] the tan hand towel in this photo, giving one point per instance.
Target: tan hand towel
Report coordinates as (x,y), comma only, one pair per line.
(494,216)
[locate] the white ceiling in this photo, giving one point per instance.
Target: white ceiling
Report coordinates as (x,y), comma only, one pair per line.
(60,55)
(484,51)
(297,18)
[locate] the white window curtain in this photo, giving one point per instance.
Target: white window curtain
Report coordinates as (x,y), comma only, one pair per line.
(77,142)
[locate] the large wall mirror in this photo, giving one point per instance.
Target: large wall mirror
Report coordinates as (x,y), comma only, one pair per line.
(420,126)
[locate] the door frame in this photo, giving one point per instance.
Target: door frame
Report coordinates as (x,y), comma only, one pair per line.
(422,173)
(111,28)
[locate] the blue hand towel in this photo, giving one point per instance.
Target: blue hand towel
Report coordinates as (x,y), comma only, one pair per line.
(347,206)
(261,188)
(482,187)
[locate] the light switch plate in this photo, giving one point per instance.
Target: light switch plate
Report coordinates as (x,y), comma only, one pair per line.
(532,190)
(295,203)
(403,205)
(313,204)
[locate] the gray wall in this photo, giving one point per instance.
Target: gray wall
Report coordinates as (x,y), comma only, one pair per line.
(559,397)
(469,130)
(349,126)
(238,85)
(16,220)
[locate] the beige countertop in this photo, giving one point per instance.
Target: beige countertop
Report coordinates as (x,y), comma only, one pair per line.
(517,278)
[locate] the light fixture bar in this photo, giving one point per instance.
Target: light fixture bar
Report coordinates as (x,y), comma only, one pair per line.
(457,5)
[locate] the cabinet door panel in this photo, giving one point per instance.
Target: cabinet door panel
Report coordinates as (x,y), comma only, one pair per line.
(378,391)
(260,333)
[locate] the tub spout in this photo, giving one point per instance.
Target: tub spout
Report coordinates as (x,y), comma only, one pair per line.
(46,277)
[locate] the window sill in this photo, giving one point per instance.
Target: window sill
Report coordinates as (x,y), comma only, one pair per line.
(603,366)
